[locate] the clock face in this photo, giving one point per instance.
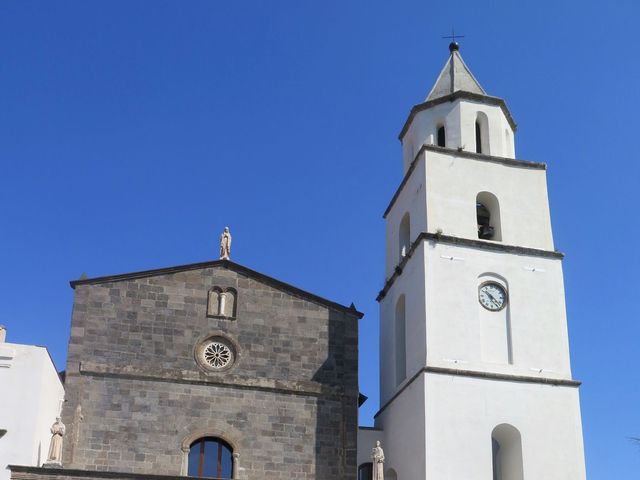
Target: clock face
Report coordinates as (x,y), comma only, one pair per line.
(492,296)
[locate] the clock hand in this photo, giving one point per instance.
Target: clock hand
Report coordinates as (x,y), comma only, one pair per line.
(493,299)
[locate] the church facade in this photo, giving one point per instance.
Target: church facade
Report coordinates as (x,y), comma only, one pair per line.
(207,370)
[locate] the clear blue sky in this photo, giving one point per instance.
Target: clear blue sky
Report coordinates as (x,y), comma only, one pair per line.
(131,132)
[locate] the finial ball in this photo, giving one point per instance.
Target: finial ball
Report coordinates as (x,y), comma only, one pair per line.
(454,46)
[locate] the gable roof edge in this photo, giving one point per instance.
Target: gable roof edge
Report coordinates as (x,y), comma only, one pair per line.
(274,282)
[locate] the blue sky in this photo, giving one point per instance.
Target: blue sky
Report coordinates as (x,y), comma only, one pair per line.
(131,132)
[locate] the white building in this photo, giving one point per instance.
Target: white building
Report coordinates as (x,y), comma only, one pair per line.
(474,355)
(31,396)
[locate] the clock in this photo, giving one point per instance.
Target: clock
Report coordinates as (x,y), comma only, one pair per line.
(492,296)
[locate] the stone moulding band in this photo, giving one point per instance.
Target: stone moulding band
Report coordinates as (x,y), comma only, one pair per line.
(302,388)
(512,162)
(20,472)
(463,242)
(505,377)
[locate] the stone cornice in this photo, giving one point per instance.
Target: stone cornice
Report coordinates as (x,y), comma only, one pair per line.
(227,380)
(463,242)
(27,472)
(511,162)
(503,377)
(273,282)
(460,94)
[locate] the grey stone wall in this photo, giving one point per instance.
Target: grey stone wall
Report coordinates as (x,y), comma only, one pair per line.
(136,396)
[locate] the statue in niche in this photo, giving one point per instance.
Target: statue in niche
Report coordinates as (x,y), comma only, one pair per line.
(55,448)
(225,244)
(377,456)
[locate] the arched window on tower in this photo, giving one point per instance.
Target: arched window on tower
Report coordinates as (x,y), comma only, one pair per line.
(482,133)
(488,216)
(441,136)
(404,236)
(506,449)
(210,457)
(508,144)
(400,341)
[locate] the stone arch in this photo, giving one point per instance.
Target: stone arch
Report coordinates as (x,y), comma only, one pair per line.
(228,302)
(230,437)
(506,450)
(488,216)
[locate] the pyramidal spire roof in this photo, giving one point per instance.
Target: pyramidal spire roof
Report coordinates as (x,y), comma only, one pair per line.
(455,76)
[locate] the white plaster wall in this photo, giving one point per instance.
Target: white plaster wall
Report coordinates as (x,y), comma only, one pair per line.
(31,395)
(459,118)
(454,182)
(412,199)
(366,441)
(403,425)
(462,412)
(411,284)
(539,334)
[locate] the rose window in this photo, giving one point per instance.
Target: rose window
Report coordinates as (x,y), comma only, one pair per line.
(216,353)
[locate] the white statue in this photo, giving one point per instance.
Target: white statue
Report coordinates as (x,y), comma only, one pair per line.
(225,244)
(377,455)
(55,448)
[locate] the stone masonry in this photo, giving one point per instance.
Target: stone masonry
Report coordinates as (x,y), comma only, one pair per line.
(136,397)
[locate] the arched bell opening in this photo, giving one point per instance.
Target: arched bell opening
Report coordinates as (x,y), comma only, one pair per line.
(488,217)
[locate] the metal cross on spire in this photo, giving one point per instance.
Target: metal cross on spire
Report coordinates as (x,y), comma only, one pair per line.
(453,45)
(453,35)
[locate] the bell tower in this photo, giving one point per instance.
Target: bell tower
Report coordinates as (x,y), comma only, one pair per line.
(475,373)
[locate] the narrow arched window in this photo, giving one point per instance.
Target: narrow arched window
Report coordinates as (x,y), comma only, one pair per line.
(508,146)
(213,302)
(365,471)
(506,450)
(482,133)
(400,341)
(210,457)
(488,216)
(441,136)
(404,236)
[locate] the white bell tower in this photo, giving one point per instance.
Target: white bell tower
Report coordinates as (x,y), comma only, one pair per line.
(475,376)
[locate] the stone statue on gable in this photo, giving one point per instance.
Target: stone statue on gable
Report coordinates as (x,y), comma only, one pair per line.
(377,456)
(225,244)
